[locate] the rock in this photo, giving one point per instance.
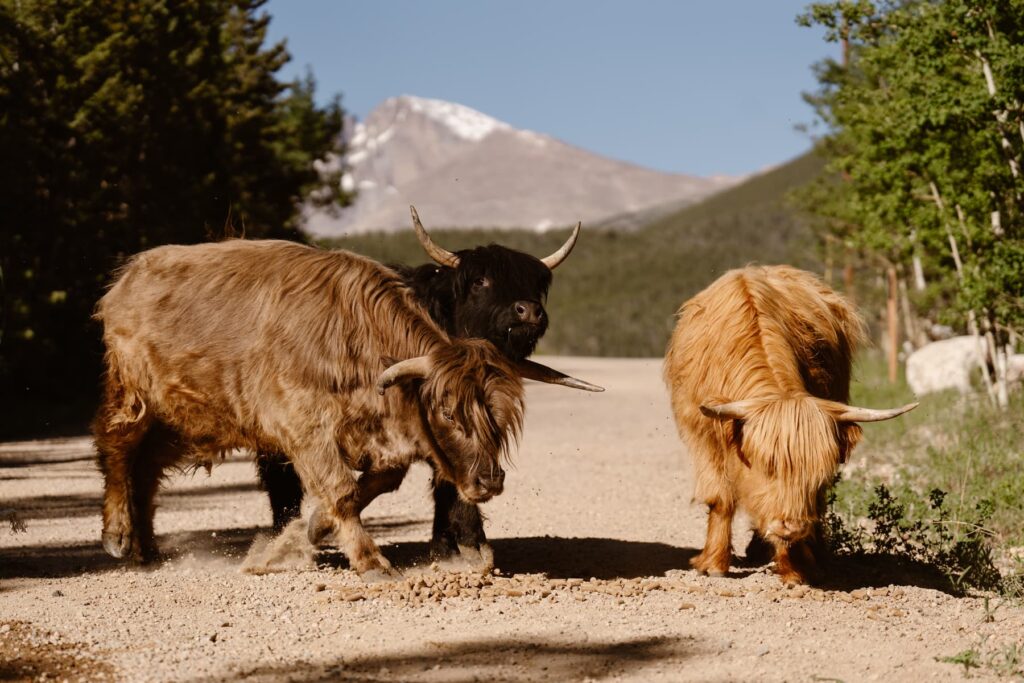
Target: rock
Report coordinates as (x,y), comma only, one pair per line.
(946,364)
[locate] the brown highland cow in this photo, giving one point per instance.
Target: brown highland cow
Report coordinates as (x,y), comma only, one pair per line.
(759,372)
(279,347)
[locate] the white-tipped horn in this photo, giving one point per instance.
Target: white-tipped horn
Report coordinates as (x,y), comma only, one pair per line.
(556,258)
(735,410)
(420,366)
(542,373)
(855,414)
(442,256)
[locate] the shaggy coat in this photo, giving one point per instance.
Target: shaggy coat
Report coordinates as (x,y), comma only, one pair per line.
(759,373)
(489,292)
(279,347)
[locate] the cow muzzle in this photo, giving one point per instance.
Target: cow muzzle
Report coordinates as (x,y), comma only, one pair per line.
(484,487)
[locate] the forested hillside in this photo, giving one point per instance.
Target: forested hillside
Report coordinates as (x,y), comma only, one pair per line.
(618,292)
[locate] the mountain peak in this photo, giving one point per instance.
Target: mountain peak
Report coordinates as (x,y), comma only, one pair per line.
(466,122)
(463,169)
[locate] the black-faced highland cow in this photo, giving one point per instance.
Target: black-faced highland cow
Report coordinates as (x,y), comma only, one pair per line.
(490,292)
(277,347)
(759,373)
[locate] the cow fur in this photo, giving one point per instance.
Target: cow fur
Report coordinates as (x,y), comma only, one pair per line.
(276,346)
(476,299)
(780,338)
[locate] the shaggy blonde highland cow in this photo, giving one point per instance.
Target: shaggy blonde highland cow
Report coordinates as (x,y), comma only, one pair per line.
(759,372)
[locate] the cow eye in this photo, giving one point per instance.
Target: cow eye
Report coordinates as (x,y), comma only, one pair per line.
(481,283)
(447,414)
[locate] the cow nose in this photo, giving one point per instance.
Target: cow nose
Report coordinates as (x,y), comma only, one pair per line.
(529,312)
(493,482)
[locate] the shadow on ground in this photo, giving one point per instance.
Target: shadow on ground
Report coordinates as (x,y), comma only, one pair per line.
(57,506)
(519,659)
(559,558)
(74,559)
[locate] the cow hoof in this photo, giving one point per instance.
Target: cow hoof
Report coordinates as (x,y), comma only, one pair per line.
(478,559)
(441,548)
(117,545)
(319,529)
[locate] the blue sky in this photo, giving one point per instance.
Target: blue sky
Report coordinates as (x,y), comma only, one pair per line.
(685,86)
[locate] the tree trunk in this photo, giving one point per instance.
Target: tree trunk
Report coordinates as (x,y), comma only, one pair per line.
(894,331)
(909,322)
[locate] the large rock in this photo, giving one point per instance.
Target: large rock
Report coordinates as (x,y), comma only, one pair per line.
(945,364)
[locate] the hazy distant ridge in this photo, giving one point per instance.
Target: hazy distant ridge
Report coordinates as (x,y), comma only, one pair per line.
(464,169)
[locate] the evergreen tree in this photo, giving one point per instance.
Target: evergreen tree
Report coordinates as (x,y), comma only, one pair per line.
(125,124)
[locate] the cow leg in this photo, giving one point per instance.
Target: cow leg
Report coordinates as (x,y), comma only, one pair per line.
(714,559)
(330,479)
(458,527)
(280,481)
(133,459)
(371,485)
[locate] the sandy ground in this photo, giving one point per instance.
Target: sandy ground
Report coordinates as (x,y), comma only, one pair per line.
(591,539)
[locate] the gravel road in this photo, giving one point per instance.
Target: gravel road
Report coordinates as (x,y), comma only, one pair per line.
(591,536)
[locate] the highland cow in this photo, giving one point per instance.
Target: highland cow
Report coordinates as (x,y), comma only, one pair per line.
(488,292)
(759,372)
(279,347)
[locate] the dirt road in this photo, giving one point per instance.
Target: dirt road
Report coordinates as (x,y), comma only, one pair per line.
(591,538)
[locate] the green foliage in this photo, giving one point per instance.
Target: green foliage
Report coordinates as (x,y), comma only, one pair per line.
(618,293)
(921,152)
(959,548)
(941,485)
(968,659)
(125,125)
(1004,660)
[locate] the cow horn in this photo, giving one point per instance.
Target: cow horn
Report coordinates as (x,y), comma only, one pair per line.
(556,258)
(442,256)
(855,414)
(542,373)
(420,366)
(736,410)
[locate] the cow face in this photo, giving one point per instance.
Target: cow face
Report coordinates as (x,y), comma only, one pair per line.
(791,449)
(471,403)
(492,292)
(499,296)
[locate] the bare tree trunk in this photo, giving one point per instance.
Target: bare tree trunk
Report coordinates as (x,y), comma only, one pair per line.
(909,321)
(919,282)
(851,294)
(894,331)
(986,347)
(999,362)
(982,347)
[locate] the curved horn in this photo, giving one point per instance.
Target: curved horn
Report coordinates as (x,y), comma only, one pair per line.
(736,410)
(556,258)
(420,366)
(442,256)
(542,373)
(855,414)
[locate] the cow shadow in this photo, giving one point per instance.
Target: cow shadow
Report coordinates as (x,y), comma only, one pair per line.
(556,557)
(492,659)
(845,573)
(227,545)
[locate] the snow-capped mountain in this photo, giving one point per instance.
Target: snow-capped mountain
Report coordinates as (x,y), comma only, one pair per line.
(464,169)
